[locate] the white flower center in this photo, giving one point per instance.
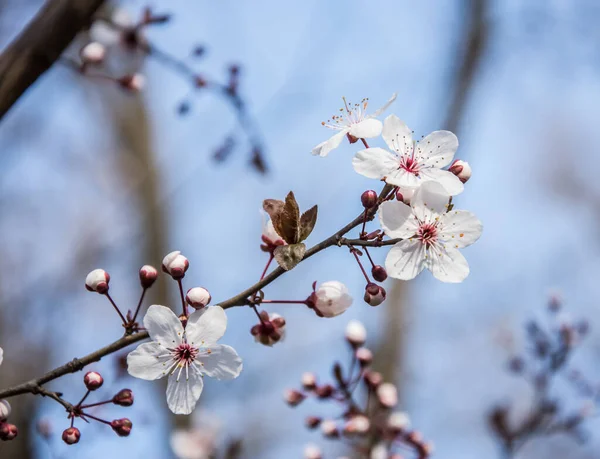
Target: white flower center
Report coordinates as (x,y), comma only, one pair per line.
(350,114)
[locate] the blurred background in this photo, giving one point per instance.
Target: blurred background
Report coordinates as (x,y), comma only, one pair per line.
(92,176)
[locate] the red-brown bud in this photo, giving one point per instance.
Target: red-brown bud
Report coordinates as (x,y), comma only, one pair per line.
(461,169)
(379,273)
(373,378)
(309,381)
(123,398)
(374,294)
(93,380)
(8,431)
(369,199)
(293,397)
(324,391)
(122,427)
(329,428)
(312,422)
(148,275)
(364,356)
(71,435)
(97,281)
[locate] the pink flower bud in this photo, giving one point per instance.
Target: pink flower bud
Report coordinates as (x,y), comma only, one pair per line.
(71,435)
(93,53)
(198,297)
(329,428)
(8,431)
(373,378)
(312,422)
(175,265)
(312,452)
(398,422)
(122,427)
(309,381)
(369,199)
(123,398)
(293,397)
(271,329)
(357,425)
(133,83)
(324,391)
(356,334)
(461,169)
(93,380)
(331,299)
(379,273)
(270,238)
(148,275)
(374,294)
(5,410)
(364,356)
(97,281)
(405,195)
(387,395)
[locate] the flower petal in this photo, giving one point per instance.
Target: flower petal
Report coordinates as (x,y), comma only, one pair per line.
(405,260)
(397,219)
(163,325)
(375,163)
(429,201)
(207,325)
(403,179)
(223,362)
(1,355)
(397,135)
(183,394)
(447,179)
(324,148)
(460,228)
(366,129)
(382,109)
(447,265)
(437,149)
(149,361)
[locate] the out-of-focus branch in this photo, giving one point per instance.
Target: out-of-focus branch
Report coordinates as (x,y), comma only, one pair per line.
(40,44)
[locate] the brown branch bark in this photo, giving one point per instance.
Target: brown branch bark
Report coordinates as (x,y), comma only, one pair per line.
(40,44)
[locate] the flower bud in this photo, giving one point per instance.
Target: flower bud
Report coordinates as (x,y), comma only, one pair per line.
(357,425)
(324,391)
(398,421)
(379,273)
(93,380)
(5,410)
(71,435)
(123,398)
(312,422)
(122,427)
(270,330)
(8,431)
(387,395)
(356,334)
(461,169)
(374,294)
(133,83)
(148,275)
(373,378)
(309,381)
(312,452)
(329,428)
(405,195)
(293,397)
(175,265)
(364,356)
(369,199)
(97,281)
(93,53)
(331,299)
(198,297)
(270,238)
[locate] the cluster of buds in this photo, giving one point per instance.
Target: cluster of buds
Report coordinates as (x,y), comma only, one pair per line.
(368,427)
(550,347)
(7,431)
(94,381)
(270,330)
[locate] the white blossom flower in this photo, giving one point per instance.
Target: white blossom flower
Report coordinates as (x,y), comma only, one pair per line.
(312,452)
(110,33)
(97,281)
(356,333)
(93,53)
(5,410)
(175,264)
(379,451)
(387,395)
(332,299)
(411,163)
(354,122)
(184,355)
(431,235)
(197,443)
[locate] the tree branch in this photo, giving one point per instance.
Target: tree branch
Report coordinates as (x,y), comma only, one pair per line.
(40,44)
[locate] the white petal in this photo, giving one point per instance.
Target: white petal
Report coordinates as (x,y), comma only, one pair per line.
(223,362)
(366,129)
(397,135)
(460,228)
(206,325)
(403,178)
(1,355)
(447,265)
(324,148)
(447,179)
(429,201)
(397,219)
(380,110)
(375,163)
(149,361)
(103,33)
(163,326)
(182,395)
(437,149)
(405,260)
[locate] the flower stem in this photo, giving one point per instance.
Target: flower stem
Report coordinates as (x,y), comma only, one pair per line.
(184,304)
(96,404)
(87,415)
(353,250)
(137,310)
(369,256)
(364,143)
(116,308)
(83,399)
(264,273)
(283,301)
(253,306)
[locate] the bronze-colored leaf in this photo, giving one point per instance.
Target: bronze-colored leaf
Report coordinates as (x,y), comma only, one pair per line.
(288,256)
(290,220)
(274,207)
(307,222)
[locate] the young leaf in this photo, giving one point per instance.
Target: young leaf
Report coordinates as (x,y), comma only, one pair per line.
(290,220)
(288,256)
(307,222)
